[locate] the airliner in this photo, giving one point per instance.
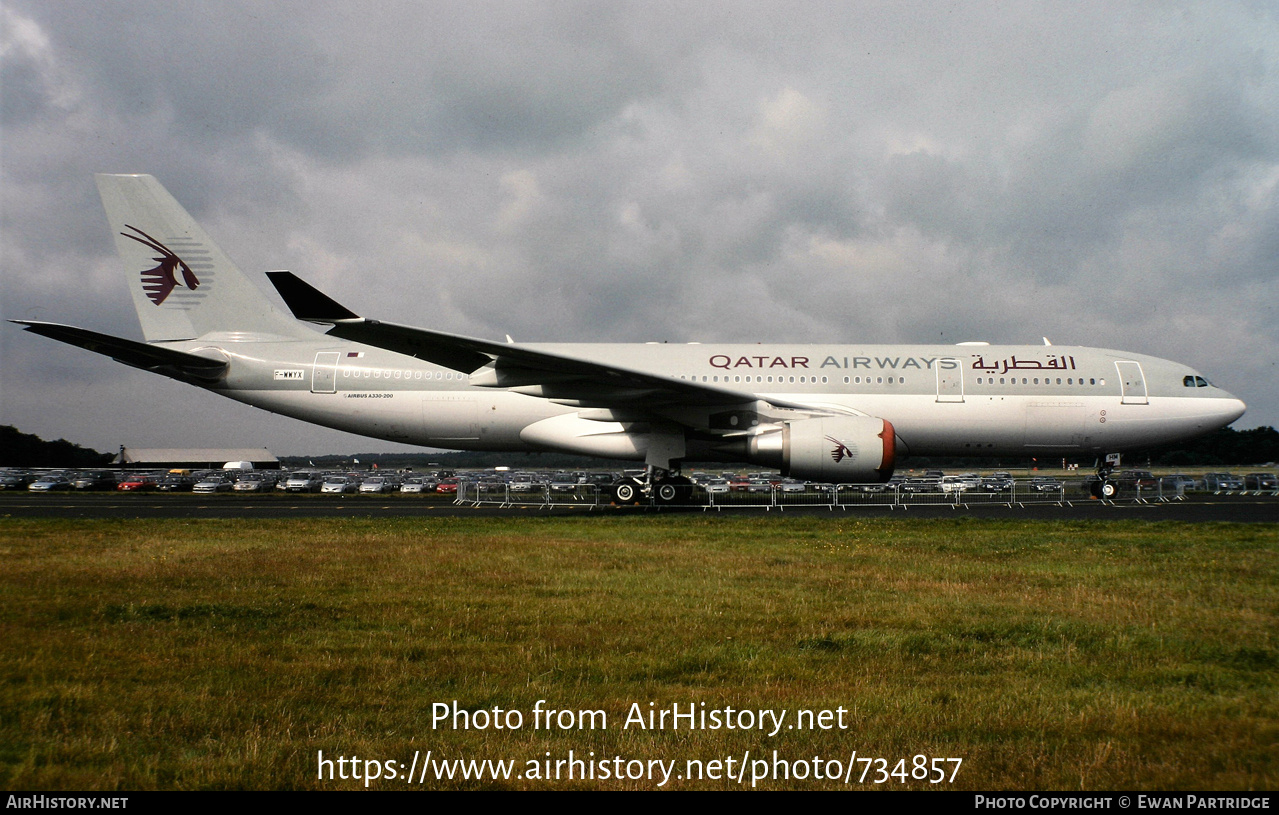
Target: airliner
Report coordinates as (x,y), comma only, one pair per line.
(821,412)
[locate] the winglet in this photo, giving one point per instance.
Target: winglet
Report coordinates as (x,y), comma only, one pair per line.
(307,302)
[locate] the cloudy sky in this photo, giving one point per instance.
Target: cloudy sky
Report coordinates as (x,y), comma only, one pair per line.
(1098,173)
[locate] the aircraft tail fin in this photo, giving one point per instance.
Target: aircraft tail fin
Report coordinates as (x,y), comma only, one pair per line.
(183,286)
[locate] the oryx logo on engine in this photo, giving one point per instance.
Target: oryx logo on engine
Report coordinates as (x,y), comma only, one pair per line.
(841,450)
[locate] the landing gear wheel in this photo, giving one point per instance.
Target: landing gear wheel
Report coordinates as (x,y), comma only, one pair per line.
(627,491)
(676,489)
(1103,487)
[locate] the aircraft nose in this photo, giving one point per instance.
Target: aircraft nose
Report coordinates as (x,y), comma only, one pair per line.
(1231,409)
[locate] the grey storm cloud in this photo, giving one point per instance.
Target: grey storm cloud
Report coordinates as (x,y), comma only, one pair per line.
(1096,173)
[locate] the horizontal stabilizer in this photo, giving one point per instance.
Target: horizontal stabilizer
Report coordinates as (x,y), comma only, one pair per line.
(166,361)
(307,302)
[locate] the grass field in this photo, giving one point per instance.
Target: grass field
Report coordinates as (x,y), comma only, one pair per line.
(227,654)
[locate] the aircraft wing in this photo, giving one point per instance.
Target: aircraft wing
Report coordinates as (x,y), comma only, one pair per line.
(560,378)
(166,361)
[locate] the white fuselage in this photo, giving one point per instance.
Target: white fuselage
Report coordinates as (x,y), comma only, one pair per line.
(942,400)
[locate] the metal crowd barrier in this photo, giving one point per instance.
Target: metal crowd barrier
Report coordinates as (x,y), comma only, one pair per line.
(832,496)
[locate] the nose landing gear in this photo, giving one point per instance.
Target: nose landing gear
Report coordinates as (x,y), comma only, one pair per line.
(1103,487)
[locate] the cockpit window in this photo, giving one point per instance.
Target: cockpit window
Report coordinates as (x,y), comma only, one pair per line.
(1194,382)
(1189,382)
(1200,382)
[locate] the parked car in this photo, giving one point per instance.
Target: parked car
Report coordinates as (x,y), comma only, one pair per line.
(523,482)
(254,482)
(303,482)
(1044,484)
(339,485)
(176,483)
(997,482)
(922,484)
(15,479)
(564,484)
(1222,482)
(137,482)
(1136,480)
(1176,482)
(50,482)
(95,480)
(1261,481)
(447,486)
(888,486)
(960,483)
(413,485)
(491,486)
(715,486)
(213,483)
(378,484)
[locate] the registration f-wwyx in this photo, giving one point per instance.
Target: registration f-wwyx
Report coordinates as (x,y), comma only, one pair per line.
(831,413)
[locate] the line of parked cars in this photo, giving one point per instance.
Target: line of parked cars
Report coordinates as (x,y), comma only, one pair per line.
(582,484)
(55,480)
(225,480)
(203,481)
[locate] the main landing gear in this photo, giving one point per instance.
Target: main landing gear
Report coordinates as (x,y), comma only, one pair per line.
(673,490)
(627,491)
(1102,486)
(665,487)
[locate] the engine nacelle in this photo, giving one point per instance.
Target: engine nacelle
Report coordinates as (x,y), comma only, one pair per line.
(837,449)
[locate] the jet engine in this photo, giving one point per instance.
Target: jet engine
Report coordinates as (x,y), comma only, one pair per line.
(836,449)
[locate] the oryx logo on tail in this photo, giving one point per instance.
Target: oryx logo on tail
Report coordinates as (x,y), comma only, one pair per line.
(841,450)
(159,282)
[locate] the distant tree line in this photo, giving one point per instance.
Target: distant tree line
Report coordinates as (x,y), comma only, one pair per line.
(1227,446)
(19,449)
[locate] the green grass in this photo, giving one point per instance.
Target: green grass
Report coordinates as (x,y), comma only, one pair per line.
(225,654)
